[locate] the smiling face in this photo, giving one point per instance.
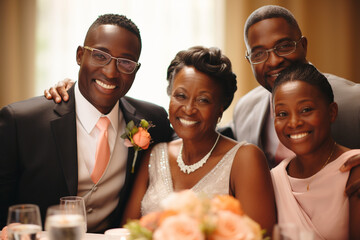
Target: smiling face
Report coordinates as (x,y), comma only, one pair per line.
(103,86)
(266,34)
(302,116)
(195,104)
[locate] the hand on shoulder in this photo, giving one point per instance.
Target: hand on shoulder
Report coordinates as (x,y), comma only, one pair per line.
(58,92)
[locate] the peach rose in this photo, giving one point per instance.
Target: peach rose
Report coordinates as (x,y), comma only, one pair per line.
(255,227)
(227,203)
(4,233)
(142,138)
(165,214)
(185,201)
(179,227)
(150,221)
(231,226)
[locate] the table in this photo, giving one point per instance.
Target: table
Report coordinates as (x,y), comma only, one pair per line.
(88,236)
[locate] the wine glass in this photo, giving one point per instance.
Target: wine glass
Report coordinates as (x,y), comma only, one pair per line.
(72,202)
(64,222)
(24,222)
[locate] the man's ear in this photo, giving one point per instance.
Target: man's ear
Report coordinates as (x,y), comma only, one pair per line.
(304,44)
(138,67)
(220,114)
(79,54)
(333,111)
(246,54)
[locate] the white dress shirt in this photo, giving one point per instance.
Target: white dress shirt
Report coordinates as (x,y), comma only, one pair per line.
(101,198)
(87,133)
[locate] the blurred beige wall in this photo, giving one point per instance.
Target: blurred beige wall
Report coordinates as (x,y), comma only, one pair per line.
(331,27)
(17,48)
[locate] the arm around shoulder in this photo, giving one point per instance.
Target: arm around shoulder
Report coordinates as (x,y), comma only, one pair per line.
(354,206)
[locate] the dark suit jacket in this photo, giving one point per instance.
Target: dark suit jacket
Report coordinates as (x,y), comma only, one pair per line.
(38,151)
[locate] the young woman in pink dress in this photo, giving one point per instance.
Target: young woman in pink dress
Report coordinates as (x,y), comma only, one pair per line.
(309,188)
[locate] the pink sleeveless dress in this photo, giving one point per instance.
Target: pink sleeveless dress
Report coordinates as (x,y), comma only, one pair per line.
(324,208)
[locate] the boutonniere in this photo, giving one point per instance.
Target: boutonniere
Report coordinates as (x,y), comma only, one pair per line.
(137,137)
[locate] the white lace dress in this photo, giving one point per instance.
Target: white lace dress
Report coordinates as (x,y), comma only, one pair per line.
(160,181)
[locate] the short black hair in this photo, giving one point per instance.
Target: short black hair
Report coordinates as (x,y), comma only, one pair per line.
(118,20)
(210,61)
(307,73)
(270,11)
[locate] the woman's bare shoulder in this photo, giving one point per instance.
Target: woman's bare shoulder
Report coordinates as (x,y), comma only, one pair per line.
(249,155)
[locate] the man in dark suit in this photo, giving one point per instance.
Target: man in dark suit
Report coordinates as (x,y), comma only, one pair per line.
(47,150)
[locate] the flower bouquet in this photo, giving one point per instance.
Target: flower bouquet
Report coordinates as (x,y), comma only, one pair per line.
(187,216)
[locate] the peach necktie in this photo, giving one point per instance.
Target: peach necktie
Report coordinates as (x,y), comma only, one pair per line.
(102,154)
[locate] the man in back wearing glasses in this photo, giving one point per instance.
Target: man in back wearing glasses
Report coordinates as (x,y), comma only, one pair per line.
(274,42)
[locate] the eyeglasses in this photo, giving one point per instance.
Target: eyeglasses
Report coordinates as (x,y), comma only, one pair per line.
(101,58)
(281,49)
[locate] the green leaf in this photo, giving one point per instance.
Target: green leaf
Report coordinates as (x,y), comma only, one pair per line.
(124,135)
(127,131)
(144,124)
(137,231)
(130,125)
(134,130)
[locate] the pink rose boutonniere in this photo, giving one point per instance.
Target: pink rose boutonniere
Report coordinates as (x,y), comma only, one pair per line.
(137,137)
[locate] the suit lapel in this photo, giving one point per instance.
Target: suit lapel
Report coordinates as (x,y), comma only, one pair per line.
(129,113)
(64,131)
(263,108)
(253,120)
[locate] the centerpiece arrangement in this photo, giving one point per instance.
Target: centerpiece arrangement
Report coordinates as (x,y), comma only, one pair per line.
(187,216)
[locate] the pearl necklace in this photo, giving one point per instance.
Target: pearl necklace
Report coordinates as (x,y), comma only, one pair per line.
(191,168)
(332,151)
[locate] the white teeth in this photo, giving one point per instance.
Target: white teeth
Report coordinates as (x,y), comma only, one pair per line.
(187,122)
(275,75)
(297,136)
(105,85)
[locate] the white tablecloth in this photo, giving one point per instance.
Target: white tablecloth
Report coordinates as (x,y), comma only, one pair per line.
(88,236)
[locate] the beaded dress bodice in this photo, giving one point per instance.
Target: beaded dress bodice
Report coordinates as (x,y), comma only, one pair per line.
(160,181)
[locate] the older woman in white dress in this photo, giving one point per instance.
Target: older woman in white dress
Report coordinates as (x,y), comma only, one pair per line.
(201,87)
